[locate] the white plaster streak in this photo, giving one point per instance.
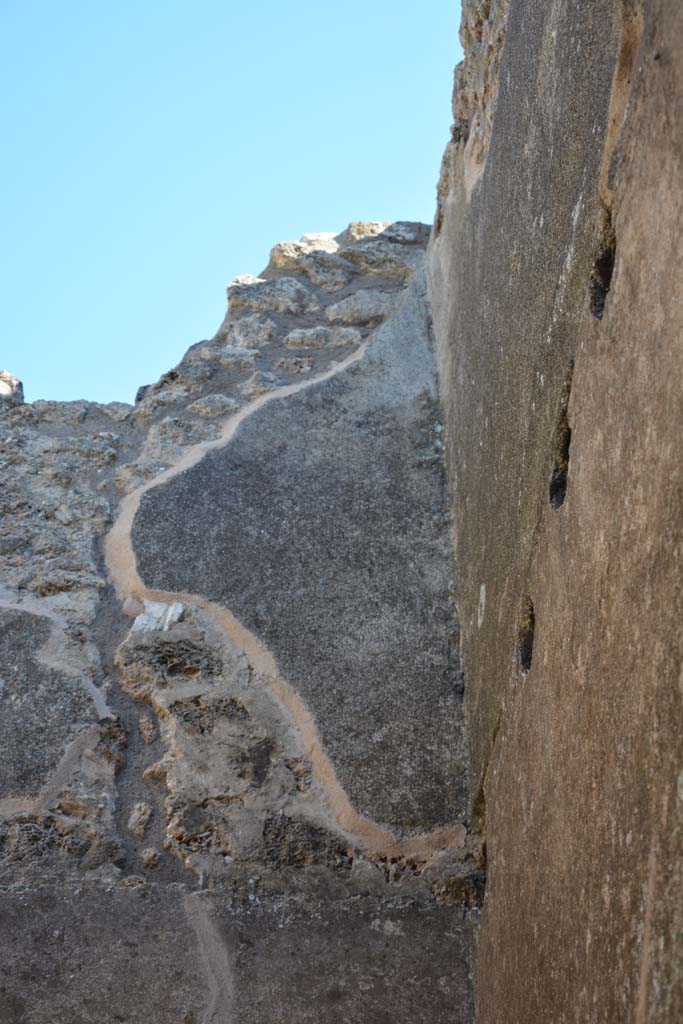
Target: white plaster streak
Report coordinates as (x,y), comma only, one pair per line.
(215,960)
(122,568)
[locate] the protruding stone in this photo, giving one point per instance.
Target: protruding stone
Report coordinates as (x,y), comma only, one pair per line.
(214,405)
(297,364)
(118,411)
(403,232)
(64,413)
(316,256)
(11,389)
(362,307)
(286,255)
(150,661)
(250,331)
(148,729)
(384,258)
(408,232)
(139,818)
(328,271)
(358,230)
(152,401)
(158,616)
(259,384)
(285,295)
(150,857)
(228,356)
(322,337)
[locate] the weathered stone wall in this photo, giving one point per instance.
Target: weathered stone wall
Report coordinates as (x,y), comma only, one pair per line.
(235,780)
(557,295)
(233,772)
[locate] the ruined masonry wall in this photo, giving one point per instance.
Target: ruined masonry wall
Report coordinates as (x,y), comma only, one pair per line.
(224,613)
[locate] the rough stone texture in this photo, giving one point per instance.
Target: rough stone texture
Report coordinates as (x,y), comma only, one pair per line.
(31,742)
(11,388)
(339,566)
(199,823)
(563,382)
(134,951)
(92,951)
(233,776)
(361,308)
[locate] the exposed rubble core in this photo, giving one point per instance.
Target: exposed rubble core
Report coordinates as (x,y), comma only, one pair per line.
(228,740)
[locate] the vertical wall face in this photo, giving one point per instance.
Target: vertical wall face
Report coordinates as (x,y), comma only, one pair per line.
(557,295)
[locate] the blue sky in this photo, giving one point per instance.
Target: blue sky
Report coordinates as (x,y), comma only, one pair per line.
(155,151)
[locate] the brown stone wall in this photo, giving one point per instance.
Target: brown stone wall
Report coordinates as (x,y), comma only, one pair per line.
(557,294)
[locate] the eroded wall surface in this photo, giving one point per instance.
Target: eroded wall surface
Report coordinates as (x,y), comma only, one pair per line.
(556,286)
(238,782)
(233,782)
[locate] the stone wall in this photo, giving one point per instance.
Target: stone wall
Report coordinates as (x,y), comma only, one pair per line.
(233,771)
(557,296)
(275,708)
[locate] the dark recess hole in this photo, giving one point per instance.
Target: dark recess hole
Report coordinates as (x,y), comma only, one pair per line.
(561,444)
(526,636)
(601,275)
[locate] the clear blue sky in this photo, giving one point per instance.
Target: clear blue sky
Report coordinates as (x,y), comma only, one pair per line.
(153,151)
